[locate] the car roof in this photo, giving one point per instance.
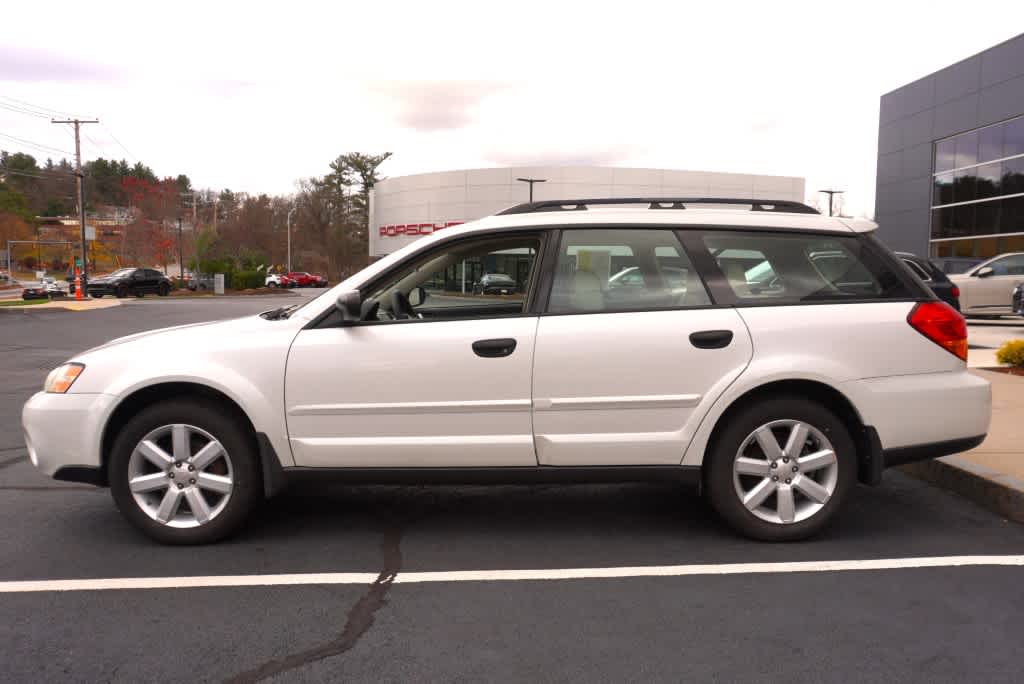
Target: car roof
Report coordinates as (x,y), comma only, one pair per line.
(756,220)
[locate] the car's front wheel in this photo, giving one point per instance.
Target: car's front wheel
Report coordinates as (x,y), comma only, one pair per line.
(780,469)
(185,472)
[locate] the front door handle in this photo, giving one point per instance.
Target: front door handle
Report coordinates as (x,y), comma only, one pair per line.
(711,339)
(492,349)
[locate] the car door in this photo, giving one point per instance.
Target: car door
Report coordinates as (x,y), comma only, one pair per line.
(441,380)
(623,375)
(992,293)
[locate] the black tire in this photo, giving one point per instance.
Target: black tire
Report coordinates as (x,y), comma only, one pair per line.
(140,293)
(247,489)
(272,284)
(97,296)
(121,292)
(164,290)
(718,471)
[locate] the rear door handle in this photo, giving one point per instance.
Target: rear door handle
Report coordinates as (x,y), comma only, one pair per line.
(492,349)
(711,339)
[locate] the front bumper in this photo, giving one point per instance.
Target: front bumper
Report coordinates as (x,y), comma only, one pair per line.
(64,431)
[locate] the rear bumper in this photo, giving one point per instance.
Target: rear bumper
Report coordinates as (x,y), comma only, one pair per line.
(920,411)
(922,452)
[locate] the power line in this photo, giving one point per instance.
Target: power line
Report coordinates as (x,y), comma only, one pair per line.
(34,144)
(114,138)
(33,106)
(19,110)
(54,175)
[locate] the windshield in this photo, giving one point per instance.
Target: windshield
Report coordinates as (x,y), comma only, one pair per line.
(122,272)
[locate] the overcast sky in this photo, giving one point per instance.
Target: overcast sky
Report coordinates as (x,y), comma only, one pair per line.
(255,97)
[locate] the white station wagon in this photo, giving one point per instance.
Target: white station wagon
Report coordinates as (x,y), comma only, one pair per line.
(772,355)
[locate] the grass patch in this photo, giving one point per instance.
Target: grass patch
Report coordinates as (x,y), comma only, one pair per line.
(22,302)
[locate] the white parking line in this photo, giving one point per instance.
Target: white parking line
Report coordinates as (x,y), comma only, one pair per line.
(327,578)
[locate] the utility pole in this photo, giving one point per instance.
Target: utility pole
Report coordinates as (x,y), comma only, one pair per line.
(531,181)
(81,185)
(289,225)
(830,193)
(181,259)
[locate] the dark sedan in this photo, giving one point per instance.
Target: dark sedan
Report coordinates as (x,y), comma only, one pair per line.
(130,281)
(933,277)
(495,283)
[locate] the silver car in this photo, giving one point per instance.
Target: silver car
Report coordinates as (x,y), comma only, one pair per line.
(987,289)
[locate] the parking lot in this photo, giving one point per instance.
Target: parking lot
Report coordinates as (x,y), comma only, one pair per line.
(627,582)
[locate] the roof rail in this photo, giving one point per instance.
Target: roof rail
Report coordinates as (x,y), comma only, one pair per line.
(786,206)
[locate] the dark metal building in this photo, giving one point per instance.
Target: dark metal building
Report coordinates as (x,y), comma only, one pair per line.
(951,158)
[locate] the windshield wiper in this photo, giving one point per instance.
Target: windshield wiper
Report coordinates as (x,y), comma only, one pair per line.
(278,313)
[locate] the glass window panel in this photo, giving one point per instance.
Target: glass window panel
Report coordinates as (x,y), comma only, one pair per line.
(990,143)
(1013,140)
(963,221)
(985,247)
(1013,176)
(945,155)
(986,218)
(967,149)
(800,268)
(942,223)
(989,180)
(943,193)
(1010,265)
(1011,219)
(624,270)
(965,186)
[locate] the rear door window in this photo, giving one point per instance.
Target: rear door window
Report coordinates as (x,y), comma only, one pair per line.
(792,267)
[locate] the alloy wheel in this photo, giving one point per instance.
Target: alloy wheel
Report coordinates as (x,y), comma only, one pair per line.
(785,471)
(180,476)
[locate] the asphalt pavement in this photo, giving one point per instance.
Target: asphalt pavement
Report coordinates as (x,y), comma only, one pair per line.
(944,623)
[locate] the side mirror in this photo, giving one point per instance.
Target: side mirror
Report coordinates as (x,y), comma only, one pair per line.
(985,272)
(349,303)
(417,296)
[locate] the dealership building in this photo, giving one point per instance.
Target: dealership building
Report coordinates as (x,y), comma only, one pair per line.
(405,208)
(951,158)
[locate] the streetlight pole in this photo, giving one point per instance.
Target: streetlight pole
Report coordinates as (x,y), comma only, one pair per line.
(289,223)
(531,181)
(830,193)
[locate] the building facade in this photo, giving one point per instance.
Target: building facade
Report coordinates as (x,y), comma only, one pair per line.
(951,158)
(405,208)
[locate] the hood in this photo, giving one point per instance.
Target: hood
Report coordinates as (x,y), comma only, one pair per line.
(217,326)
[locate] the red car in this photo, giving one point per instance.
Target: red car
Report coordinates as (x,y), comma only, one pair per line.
(303,279)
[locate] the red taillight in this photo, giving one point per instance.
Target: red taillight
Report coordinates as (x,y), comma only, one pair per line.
(956,292)
(942,324)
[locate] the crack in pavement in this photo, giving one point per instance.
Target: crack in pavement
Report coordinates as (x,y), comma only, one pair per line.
(358,622)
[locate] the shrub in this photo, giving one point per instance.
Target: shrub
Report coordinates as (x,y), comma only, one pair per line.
(1011,353)
(245,280)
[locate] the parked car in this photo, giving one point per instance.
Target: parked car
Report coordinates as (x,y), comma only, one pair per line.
(986,289)
(279,280)
(950,265)
(34,292)
(304,279)
(130,281)
(495,284)
(776,394)
(933,277)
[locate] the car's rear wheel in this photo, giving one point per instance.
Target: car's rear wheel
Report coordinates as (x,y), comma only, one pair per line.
(121,292)
(164,290)
(780,469)
(272,284)
(185,472)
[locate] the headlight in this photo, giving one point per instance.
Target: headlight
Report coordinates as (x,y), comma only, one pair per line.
(60,379)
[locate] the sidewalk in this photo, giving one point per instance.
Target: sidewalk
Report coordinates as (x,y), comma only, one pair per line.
(991,474)
(68,303)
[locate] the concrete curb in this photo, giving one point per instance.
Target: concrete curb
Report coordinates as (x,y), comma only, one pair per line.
(998,492)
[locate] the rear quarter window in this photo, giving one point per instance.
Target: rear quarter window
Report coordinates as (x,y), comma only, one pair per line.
(764,267)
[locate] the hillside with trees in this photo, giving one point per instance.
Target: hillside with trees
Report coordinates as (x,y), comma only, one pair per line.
(137,213)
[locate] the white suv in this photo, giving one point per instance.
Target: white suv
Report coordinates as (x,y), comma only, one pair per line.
(740,357)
